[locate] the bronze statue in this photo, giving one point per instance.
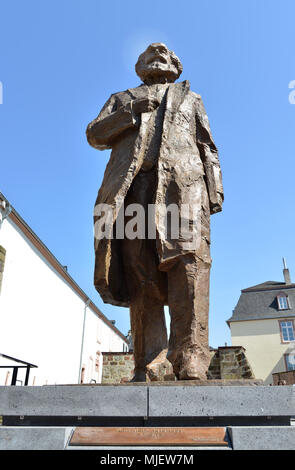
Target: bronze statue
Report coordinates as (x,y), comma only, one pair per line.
(162,153)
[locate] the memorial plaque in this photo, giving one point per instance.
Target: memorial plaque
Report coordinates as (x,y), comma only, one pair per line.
(157,436)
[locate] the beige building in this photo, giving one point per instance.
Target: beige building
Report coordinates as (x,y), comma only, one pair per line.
(263,323)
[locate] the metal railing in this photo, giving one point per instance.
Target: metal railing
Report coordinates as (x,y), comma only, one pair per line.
(26,365)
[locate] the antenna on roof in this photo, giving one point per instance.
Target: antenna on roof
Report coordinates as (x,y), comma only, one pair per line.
(286,273)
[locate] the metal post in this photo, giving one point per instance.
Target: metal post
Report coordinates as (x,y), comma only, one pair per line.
(82,343)
(27,375)
(14,375)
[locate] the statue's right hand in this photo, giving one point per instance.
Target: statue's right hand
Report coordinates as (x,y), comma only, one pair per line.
(144,105)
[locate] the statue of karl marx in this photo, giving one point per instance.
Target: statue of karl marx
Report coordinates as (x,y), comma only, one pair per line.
(162,153)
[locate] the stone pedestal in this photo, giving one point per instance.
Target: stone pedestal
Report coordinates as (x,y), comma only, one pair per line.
(254,416)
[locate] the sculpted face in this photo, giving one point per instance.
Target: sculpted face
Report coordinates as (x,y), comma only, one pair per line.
(158,64)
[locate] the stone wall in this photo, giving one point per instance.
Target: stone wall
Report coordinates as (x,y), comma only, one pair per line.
(284,378)
(227,363)
(118,367)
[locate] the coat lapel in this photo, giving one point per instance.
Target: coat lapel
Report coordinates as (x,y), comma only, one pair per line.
(138,92)
(175,97)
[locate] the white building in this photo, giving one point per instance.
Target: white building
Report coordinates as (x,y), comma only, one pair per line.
(45,317)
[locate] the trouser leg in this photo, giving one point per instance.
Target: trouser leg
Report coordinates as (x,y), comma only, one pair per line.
(147,288)
(148,331)
(188,299)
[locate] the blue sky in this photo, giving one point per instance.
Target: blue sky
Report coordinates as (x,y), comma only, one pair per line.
(61,60)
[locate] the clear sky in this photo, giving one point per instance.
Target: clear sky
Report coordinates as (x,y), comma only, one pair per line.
(61,60)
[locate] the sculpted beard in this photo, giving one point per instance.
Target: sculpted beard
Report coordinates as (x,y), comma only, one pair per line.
(157,67)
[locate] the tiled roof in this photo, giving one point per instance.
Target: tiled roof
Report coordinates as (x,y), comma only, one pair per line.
(260,302)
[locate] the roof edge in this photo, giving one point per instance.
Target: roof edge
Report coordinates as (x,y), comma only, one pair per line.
(232,320)
(266,288)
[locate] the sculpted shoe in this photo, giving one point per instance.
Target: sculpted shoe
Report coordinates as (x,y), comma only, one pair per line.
(192,373)
(139,376)
(159,368)
(193,366)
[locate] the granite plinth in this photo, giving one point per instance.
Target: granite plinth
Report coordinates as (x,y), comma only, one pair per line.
(248,412)
(59,438)
(73,401)
(184,401)
(262,438)
(148,401)
(25,438)
(179,383)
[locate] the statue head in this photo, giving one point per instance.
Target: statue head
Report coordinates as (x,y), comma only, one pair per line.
(157,64)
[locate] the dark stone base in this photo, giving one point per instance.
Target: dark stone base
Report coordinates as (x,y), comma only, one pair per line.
(175,383)
(256,417)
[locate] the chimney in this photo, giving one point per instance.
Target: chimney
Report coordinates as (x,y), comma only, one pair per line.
(286,273)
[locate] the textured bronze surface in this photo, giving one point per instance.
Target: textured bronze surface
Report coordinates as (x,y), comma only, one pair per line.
(163,154)
(100,436)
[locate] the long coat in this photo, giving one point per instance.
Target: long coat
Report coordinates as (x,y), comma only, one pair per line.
(188,171)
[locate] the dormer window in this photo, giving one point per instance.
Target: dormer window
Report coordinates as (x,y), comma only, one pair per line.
(283,302)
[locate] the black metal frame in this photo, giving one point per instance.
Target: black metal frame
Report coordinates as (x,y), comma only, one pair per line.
(26,365)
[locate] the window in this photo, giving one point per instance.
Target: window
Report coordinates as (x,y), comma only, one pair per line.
(290,361)
(287,330)
(283,302)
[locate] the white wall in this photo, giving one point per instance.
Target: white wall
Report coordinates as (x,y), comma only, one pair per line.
(41,317)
